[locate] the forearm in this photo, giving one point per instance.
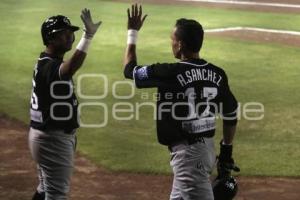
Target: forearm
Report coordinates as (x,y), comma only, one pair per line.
(129,61)
(130,58)
(130,54)
(226,162)
(230,122)
(70,66)
(228,133)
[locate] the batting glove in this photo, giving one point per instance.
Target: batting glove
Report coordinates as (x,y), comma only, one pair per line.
(90,28)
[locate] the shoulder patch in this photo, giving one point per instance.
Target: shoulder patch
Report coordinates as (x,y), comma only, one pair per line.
(142,73)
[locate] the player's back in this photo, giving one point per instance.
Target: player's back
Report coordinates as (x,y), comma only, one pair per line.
(190,95)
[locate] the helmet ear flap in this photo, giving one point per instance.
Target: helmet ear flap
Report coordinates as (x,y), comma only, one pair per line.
(225,188)
(47,39)
(44,37)
(50,38)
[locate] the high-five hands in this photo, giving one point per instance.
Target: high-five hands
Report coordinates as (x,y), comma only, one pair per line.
(135,19)
(90,28)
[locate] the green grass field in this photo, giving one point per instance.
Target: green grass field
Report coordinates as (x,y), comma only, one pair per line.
(266,73)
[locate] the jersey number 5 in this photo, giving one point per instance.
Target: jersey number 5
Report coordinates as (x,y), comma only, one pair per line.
(34,100)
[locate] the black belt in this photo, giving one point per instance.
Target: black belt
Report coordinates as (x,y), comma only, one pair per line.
(65,131)
(195,140)
(69,131)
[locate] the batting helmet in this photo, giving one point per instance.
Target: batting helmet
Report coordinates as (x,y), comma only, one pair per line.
(55,24)
(225,188)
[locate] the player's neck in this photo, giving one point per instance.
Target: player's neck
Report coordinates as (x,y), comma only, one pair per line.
(189,56)
(54,53)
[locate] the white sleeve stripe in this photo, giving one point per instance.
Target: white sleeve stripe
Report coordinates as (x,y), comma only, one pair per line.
(59,71)
(133,75)
(194,64)
(45,58)
(142,73)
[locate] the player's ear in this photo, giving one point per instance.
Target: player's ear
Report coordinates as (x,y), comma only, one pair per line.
(179,45)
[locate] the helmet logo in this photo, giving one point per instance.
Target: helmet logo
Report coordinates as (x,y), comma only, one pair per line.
(230,185)
(67,21)
(50,22)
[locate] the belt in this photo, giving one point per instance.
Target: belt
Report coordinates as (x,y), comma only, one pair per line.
(63,131)
(183,143)
(69,132)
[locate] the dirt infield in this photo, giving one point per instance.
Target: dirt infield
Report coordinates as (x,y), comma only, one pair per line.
(234,6)
(18,177)
(263,37)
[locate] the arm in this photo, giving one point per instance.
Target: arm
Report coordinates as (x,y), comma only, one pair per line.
(229,114)
(69,67)
(135,22)
(144,76)
(228,133)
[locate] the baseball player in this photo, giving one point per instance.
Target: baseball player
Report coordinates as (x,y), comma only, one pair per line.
(191,92)
(53,109)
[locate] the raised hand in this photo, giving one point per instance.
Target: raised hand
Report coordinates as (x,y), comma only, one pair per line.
(90,27)
(135,19)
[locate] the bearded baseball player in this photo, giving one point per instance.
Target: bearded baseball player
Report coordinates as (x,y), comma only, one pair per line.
(53,110)
(191,92)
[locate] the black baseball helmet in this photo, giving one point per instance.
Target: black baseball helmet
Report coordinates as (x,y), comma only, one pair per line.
(56,24)
(225,188)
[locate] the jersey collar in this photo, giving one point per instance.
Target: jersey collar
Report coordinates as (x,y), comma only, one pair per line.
(44,54)
(195,62)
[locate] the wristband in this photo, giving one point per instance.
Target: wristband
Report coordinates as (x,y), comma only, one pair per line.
(225,153)
(83,44)
(88,36)
(132,36)
(223,143)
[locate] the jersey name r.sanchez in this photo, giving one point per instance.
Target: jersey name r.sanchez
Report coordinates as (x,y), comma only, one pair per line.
(199,74)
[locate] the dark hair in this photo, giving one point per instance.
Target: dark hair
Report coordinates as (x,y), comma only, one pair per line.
(191,33)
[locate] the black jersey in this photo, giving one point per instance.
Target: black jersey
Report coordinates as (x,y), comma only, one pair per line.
(190,95)
(53,102)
